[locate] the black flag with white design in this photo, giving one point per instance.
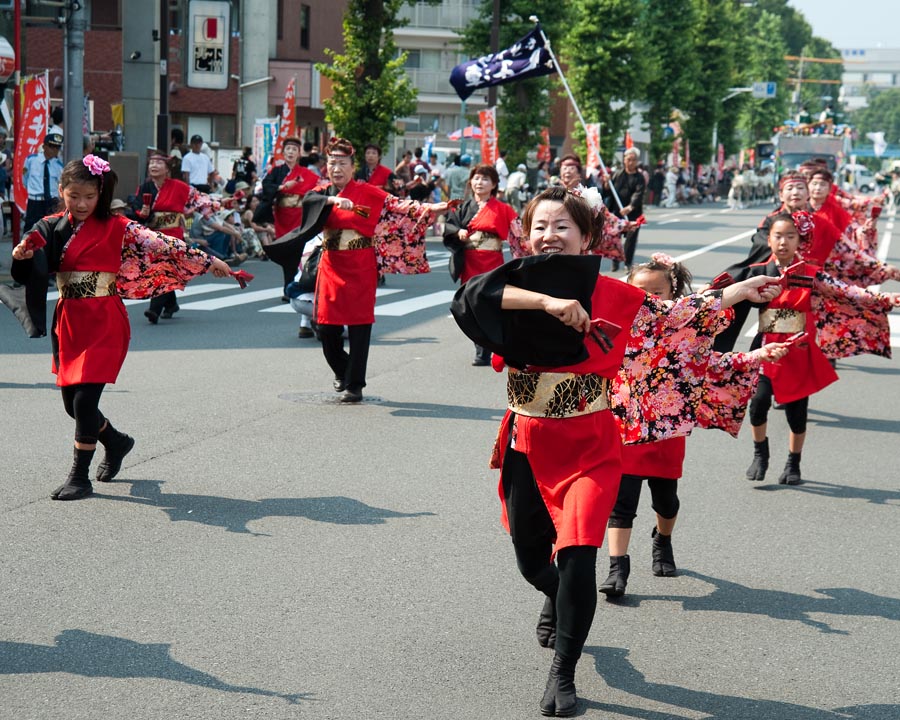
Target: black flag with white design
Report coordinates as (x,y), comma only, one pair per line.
(527,58)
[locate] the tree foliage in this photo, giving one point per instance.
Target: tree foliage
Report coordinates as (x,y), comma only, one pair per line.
(371,89)
(765,51)
(882,114)
(606,66)
(671,33)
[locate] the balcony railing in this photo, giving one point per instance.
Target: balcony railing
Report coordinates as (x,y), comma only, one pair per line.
(448,15)
(431,81)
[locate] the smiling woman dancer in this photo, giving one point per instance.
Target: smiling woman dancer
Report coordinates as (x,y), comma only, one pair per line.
(97,257)
(553,319)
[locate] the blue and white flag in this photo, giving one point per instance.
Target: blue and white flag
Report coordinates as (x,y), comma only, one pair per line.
(527,58)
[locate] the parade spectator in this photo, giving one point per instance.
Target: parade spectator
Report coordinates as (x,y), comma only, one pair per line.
(656,183)
(629,185)
(419,161)
(571,174)
(218,236)
(243,170)
(515,187)
(421,189)
(177,149)
(196,167)
(404,167)
(457,178)
(502,173)
(41,174)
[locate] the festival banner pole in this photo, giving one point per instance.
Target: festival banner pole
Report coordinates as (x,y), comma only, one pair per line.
(534,19)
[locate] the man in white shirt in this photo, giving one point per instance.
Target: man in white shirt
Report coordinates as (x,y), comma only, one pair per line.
(515,187)
(502,172)
(196,167)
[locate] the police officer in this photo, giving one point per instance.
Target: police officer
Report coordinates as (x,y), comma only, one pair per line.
(41,174)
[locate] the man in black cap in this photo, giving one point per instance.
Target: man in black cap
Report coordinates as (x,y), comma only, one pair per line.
(196,167)
(41,175)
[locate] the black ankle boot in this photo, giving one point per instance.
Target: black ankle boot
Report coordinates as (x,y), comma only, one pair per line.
(663,557)
(559,698)
(546,627)
(757,469)
(791,473)
(619,570)
(78,484)
(117,445)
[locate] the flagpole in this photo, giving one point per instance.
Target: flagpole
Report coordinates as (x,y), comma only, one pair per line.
(534,19)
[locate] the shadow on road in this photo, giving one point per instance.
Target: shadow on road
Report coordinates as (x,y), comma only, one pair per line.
(442,412)
(27,386)
(779,605)
(91,655)
(613,666)
(847,422)
(839,492)
(233,514)
(404,340)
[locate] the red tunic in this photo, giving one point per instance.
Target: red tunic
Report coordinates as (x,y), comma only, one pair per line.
(91,335)
(347,279)
(660,459)
(805,369)
(494,218)
(379,176)
(288,218)
(172,197)
(577,460)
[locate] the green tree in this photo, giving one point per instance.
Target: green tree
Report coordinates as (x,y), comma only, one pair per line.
(881,114)
(717,36)
(671,34)
(371,89)
(815,96)
(524,106)
(606,66)
(765,51)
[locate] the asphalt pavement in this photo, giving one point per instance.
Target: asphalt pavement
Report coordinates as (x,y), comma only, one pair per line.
(269,553)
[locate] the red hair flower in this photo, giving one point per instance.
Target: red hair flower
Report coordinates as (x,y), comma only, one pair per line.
(803,221)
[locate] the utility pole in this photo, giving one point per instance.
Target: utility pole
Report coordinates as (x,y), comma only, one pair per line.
(162,120)
(73,90)
(495,46)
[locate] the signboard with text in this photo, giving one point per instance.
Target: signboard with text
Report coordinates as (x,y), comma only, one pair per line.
(764,90)
(208,42)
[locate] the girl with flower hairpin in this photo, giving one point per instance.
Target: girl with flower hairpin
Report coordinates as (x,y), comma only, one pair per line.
(728,384)
(98,258)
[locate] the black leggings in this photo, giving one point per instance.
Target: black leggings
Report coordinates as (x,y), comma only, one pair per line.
(663,491)
(796,411)
(572,581)
(349,367)
(82,402)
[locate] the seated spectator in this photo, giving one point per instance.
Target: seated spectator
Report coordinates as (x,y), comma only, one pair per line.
(219,235)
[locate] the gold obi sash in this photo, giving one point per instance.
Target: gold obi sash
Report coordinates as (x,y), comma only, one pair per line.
(479,240)
(166,220)
(345,240)
(79,284)
(289,200)
(556,395)
(781,320)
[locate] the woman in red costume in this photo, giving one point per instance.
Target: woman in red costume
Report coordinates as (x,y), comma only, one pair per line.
(365,231)
(805,370)
(475,233)
(283,189)
(165,203)
(97,257)
(553,319)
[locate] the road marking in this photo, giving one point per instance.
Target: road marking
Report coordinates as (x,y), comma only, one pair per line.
(405,307)
(698,215)
(720,243)
(192,290)
(286,307)
(666,222)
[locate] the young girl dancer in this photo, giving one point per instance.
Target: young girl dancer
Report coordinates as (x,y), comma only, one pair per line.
(97,257)
(806,370)
(660,463)
(553,318)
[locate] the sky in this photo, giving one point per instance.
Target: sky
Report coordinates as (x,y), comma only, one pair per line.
(853,23)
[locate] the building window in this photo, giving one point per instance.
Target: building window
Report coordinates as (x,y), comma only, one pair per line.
(105,14)
(305,12)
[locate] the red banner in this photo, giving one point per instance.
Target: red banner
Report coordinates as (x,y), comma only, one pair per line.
(489,136)
(593,144)
(629,143)
(543,150)
(288,123)
(35,98)
(721,159)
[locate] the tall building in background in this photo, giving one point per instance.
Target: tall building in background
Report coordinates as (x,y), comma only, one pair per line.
(432,40)
(866,68)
